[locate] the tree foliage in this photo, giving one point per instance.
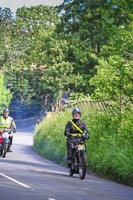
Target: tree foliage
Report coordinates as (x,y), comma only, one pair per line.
(82,47)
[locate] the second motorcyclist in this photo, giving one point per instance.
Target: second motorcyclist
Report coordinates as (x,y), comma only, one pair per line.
(8,123)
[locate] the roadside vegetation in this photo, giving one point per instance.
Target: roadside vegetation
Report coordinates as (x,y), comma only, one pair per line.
(109,149)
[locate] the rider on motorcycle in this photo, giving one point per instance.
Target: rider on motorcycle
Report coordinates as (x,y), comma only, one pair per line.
(71,128)
(8,123)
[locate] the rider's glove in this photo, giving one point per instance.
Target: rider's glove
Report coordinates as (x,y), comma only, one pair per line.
(86,135)
(6,130)
(68,134)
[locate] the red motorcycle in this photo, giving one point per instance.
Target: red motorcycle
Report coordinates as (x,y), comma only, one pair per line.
(4,143)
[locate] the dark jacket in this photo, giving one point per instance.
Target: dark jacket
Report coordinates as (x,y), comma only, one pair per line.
(70,129)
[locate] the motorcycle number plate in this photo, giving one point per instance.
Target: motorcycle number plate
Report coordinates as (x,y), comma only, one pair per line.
(81,147)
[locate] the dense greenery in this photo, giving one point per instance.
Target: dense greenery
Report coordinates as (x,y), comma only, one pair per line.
(109,149)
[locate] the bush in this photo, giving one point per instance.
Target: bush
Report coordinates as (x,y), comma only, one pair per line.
(110,148)
(49,139)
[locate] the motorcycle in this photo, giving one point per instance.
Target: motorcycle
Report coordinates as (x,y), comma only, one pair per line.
(4,143)
(79,158)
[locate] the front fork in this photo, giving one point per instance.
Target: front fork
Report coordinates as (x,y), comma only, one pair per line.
(82,156)
(6,140)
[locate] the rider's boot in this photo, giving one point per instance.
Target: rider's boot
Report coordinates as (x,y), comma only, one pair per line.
(9,148)
(69,162)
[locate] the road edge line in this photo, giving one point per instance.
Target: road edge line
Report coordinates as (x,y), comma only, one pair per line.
(14,180)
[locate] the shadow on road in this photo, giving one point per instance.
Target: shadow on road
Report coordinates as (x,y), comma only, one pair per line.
(36,167)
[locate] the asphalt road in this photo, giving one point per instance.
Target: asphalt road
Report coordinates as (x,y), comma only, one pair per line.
(24,175)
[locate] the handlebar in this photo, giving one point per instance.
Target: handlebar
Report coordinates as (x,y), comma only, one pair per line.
(77,140)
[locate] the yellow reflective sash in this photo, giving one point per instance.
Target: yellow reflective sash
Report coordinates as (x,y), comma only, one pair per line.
(5,123)
(76,134)
(76,127)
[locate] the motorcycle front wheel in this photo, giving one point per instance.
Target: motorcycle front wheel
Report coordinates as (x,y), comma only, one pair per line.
(1,152)
(5,146)
(82,164)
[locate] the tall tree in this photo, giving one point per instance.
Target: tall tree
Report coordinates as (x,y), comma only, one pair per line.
(113,80)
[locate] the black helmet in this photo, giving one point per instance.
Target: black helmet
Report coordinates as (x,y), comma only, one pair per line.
(5,110)
(76,110)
